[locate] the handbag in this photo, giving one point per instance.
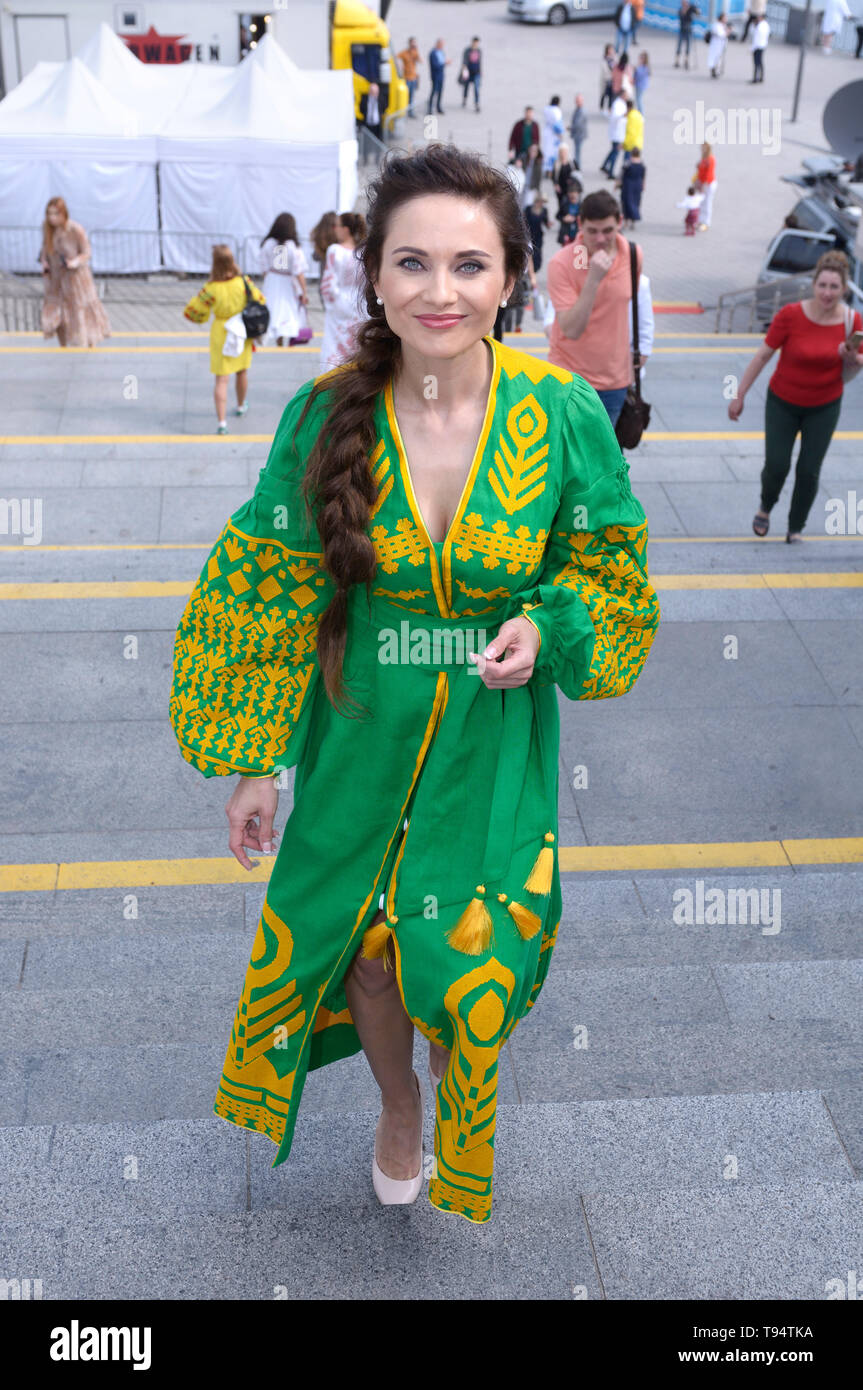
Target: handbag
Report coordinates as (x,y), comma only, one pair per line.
(849,368)
(255,316)
(304,332)
(634,418)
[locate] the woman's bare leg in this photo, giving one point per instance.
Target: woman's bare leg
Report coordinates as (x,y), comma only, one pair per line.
(242,381)
(386,1033)
(220,396)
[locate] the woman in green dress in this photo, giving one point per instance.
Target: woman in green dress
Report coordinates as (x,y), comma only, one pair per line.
(444,533)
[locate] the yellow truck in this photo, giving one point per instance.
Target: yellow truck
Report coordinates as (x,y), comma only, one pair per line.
(361,42)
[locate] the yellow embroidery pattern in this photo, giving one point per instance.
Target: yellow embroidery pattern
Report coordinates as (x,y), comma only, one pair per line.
(406,544)
(497,545)
(622,606)
(380,469)
(245,653)
(521,460)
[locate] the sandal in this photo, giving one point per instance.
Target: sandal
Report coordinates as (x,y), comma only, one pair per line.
(793,536)
(761,523)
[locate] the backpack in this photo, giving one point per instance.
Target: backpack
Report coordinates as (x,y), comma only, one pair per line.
(256,317)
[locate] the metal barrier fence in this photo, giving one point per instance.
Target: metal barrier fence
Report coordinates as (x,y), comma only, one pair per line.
(129,252)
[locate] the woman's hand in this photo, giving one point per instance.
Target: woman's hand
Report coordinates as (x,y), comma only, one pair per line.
(735,408)
(73,263)
(253,797)
(518,639)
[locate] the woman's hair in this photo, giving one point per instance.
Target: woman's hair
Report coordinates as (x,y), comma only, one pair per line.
(323,235)
(283,229)
(707,150)
(47,229)
(224,266)
(836,261)
(355,224)
(338,484)
(623,61)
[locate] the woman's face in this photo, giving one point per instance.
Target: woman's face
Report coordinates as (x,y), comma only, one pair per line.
(442,274)
(828,289)
(54,216)
(342,233)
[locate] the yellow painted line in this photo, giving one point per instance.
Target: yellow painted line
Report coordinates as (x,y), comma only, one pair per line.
(26,351)
(146,545)
(839,579)
(168,873)
(167,588)
(8,549)
(705,540)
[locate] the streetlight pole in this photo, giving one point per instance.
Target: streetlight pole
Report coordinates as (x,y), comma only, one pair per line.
(804,39)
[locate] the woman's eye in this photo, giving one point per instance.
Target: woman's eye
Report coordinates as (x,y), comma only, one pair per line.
(407,261)
(471,265)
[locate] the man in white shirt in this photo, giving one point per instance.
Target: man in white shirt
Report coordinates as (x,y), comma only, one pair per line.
(760,35)
(616,133)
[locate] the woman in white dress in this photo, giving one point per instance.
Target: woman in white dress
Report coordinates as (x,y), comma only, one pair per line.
(341,284)
(835,14)
(718,45)
(284,266)
(552,132)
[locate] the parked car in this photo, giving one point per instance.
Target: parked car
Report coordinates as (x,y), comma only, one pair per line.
(559,11)
(791,258)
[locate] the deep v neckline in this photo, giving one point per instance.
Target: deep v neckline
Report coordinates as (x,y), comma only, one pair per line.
(474,465)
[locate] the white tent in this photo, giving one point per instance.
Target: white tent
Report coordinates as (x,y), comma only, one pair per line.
(66,136)
(234,147)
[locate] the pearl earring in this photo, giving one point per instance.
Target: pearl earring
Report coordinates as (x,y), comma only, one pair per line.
(503,303)
(379,300)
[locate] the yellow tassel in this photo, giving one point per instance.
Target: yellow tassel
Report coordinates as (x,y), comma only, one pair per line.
(539,879)
(472,932)
(375,940)
(527,922)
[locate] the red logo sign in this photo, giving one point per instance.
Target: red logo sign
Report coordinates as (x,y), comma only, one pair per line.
(158,48)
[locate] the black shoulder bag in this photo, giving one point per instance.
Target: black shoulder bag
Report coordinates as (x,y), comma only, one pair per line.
(256,316)
(635,415)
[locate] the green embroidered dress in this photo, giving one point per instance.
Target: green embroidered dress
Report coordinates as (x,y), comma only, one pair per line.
(547,524)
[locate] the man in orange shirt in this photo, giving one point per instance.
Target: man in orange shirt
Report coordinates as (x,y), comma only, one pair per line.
(637,17)
(410,58)
(590,286)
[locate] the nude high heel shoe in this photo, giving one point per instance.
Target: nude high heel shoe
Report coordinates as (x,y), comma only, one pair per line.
(394,1191)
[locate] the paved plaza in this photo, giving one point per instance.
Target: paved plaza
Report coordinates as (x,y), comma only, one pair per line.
(681,1114)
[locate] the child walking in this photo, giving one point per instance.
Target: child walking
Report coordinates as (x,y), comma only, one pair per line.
(692,202)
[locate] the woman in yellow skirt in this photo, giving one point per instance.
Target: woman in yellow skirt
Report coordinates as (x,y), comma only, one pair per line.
(223,296)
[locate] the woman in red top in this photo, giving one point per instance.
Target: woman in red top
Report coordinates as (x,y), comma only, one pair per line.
(805,392)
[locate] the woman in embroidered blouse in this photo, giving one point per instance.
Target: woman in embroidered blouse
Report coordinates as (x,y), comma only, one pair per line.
(341,292)
(71,308)
(284,264)
(443,533)
(225,295)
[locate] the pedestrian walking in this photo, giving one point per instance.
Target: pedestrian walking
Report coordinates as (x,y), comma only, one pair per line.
(225,296)
(685,17)
(578,129)
(623,18)
(631,188)
(817,357)
(562,172)
(590,286)
(568,213)
(340,290)
(536,217)
(371,111)
(692,210)
(705,182)
(284,266)
(835,14)
(552,132)
(523,134)
(637,17)
(616,134)
(438,64)
(718,43)
(71,306)
(633,135)
(641,80)
(606,68)
(532,176)
(322,237)
(758,43)
(622,77)
(379,494)
(410,59)
(515,173)
(518,300)
(471,71)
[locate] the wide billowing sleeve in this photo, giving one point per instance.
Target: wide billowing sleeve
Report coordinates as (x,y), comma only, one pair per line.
(596,611)
(245,661)
(200,307)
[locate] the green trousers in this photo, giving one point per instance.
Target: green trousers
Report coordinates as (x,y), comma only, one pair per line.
(782,423)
